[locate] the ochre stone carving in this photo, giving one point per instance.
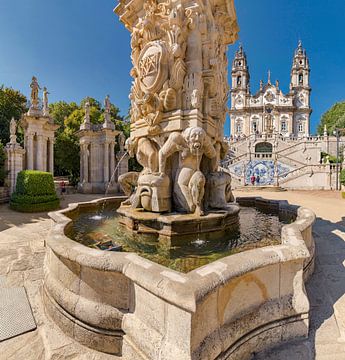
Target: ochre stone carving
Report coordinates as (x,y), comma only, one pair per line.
(178,100)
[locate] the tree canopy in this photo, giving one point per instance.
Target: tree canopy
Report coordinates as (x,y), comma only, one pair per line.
(12,104)
(333,118)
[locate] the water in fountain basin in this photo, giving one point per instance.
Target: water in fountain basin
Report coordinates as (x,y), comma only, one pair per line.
(256,229)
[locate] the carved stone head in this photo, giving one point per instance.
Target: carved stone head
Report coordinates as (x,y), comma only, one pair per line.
(195,138)
(131,146)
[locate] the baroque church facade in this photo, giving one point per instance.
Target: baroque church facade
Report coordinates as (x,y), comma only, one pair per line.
(270,110)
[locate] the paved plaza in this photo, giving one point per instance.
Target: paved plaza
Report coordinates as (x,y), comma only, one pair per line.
(22,250)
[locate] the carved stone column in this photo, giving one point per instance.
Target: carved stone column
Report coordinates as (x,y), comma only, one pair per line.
(86,164)
(106,162)
(40,152)
(112,160)
(51,156)
(30,152)
(14,163)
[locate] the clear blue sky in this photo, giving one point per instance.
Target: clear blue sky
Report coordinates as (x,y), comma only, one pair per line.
(78,48)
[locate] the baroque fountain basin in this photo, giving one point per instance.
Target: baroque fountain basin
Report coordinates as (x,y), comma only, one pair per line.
(123,304)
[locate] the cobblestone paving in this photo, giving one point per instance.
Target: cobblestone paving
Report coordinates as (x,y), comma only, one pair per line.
(21,264)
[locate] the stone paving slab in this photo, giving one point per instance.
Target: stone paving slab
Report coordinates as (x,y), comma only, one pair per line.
(15,313)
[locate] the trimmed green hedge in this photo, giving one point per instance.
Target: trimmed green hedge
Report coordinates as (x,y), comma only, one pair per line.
(31,182)
(35,192)
(33,208)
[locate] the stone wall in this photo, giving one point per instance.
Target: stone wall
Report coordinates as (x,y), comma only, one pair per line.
(4,195)
(123,304)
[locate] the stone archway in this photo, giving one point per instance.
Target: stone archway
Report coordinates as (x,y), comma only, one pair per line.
(264,147)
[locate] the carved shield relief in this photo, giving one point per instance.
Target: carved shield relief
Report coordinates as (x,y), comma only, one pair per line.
(153,67)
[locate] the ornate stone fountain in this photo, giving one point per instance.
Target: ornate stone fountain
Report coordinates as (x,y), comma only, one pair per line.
(124,304)
(178,108)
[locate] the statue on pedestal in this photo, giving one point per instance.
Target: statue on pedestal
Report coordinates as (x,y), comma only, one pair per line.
(13,131)
(34,93)
(45,102)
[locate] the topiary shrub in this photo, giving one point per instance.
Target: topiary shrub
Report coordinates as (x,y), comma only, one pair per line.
(35,192)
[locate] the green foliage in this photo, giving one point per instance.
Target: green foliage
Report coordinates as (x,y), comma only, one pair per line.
(35,192)
(61,110)
(31,182)
(332,159)
(342,177)
(333,118)
(70,117)
(35,208)
(2,165)
(12,104)
(343,194)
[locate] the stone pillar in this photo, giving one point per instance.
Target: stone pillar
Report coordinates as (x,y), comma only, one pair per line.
(51,156)
(106,163)
(30,152)
(45,153)
(112,160)
(14,163)
(40,153)
(86,164)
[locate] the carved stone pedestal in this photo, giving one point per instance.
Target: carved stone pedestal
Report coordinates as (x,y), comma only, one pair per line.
(175,229)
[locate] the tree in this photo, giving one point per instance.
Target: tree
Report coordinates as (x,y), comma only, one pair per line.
(60,110)
(12,104)
(333,118)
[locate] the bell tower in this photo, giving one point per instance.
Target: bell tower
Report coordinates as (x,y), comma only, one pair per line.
(300,68)
(240,71)
(300,87)
(239,91)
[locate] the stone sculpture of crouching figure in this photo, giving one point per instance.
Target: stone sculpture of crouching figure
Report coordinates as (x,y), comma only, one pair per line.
(189,182)
(147,156)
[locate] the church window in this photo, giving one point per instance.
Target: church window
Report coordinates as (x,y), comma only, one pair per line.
(239,127)
(239,80)
(300,127)
(240,63)
(300,79)
(254,126)
(283,126)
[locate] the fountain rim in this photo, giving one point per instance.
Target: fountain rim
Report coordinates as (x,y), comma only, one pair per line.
(173,284)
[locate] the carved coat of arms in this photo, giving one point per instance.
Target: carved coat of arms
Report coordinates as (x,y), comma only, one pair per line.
(153,67)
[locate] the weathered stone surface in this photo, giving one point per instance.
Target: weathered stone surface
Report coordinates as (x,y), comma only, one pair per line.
(256,295)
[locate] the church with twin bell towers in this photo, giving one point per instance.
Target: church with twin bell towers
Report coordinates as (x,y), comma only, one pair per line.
(270,110)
